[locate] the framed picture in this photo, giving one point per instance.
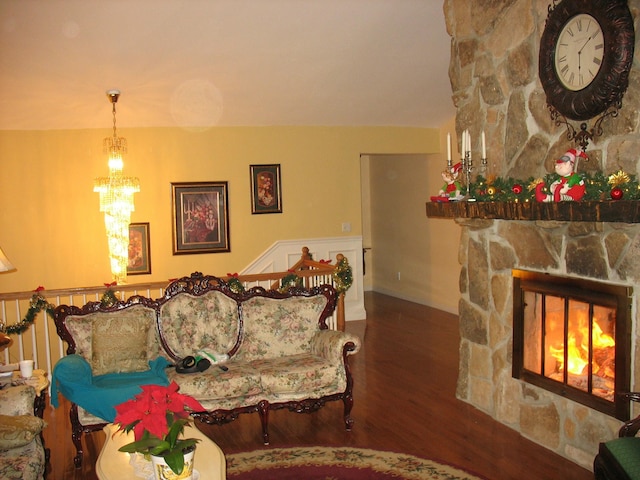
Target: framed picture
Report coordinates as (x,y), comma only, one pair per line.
(200,217)
(139,249)
(266,195)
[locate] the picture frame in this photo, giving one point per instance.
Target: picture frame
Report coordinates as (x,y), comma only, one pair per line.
(266,191)
(200,217)
(139,249)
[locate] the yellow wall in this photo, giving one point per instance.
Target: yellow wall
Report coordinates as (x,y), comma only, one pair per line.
(403,239)
(52,231)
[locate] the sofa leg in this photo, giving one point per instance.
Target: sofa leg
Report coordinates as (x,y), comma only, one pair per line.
(348,405)
(263,411)
(76,435)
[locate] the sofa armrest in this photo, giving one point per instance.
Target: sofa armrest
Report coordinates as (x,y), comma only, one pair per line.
(330,344)
(17,400)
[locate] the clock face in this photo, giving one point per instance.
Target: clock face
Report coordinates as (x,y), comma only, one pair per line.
(579,52)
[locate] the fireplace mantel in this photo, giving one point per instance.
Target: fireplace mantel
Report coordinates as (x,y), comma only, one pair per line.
(621,211)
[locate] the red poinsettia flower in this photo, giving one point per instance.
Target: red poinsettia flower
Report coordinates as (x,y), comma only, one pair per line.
(154,410)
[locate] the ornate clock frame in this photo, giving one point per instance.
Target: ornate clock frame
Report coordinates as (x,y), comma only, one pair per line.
(603,96)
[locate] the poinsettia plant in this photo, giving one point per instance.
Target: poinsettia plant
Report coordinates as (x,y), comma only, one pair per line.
(157,417)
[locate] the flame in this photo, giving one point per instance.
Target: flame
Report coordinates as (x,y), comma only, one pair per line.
(578,349)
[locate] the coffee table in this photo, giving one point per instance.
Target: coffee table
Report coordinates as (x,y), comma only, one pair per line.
(114,465)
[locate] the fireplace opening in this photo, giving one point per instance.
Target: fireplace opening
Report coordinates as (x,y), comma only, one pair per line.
(572,337)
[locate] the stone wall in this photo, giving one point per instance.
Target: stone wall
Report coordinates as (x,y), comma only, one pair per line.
(495,86)
(489,250)
(494,80)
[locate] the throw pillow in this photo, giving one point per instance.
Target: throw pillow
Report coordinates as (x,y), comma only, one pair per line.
(119,341)
(19,430)
(279,327)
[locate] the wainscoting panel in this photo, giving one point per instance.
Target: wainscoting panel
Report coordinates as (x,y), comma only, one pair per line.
(283,254)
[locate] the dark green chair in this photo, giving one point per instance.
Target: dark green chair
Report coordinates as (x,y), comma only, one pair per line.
(619,459)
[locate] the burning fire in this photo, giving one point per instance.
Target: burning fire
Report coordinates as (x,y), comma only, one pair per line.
(578,351)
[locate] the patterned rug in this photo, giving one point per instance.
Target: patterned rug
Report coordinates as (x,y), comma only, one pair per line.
(336,463)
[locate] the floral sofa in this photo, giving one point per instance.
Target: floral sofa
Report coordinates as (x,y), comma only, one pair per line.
(278,350)
(22,455)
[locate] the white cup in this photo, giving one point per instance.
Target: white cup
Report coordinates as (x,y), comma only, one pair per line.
(26,368)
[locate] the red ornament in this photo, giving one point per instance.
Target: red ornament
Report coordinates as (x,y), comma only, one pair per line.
(616,193)
(517,189)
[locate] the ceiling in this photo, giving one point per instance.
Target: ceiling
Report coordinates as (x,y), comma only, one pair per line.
(202,63)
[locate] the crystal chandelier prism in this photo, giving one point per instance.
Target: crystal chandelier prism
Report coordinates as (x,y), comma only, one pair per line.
(116,199)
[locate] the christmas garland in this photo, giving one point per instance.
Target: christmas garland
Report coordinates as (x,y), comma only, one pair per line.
(38,303)
(289,281)
(234,283)
(617,186)
(343,276)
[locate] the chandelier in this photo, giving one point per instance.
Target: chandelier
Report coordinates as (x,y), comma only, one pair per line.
(116,199)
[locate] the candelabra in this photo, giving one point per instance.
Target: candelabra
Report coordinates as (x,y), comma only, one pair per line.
(466,161)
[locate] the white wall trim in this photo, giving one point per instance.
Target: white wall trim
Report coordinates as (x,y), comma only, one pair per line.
(419,301)
(283,254)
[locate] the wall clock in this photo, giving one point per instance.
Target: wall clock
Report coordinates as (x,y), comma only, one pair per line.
(586,53)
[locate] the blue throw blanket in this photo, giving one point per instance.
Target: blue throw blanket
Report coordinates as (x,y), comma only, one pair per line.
(99,395)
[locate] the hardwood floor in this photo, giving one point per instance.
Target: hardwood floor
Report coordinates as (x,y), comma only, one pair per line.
(405,380)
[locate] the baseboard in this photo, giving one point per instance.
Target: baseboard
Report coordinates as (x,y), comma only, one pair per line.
(419,301)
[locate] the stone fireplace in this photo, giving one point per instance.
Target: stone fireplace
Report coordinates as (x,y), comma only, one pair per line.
(495,89)
(489,251)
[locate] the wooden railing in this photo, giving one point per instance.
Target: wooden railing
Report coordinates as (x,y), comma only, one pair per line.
(38,340)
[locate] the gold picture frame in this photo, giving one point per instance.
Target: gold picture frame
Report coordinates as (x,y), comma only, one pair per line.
(200,217)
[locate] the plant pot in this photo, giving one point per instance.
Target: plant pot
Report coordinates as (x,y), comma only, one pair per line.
(162,471)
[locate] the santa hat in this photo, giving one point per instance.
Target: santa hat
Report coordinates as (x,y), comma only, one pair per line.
(456,168)
(571,155)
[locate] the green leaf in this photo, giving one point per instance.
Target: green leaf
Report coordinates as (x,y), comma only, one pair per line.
(143,446)
(175,460)
(161,448)
(175,430)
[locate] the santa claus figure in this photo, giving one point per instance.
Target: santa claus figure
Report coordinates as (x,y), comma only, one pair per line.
(569,186)
(451,190)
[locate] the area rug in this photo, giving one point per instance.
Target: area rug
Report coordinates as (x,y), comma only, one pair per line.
(336,463)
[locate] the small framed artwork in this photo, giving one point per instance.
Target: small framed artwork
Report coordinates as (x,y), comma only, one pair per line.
(266,194)
(139,249)
(200,217)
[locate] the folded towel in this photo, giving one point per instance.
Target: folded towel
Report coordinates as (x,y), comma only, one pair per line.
(72,377)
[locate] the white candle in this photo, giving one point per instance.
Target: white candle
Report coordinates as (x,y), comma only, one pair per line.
(484,146)
(448,147)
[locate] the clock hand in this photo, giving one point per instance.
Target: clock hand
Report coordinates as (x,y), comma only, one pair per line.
(584,45)
(591,37)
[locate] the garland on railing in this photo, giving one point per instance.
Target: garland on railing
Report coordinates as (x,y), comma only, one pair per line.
(38,303)
(289,281)
(234,283)
(342,276)
(109,297)
(617,186)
